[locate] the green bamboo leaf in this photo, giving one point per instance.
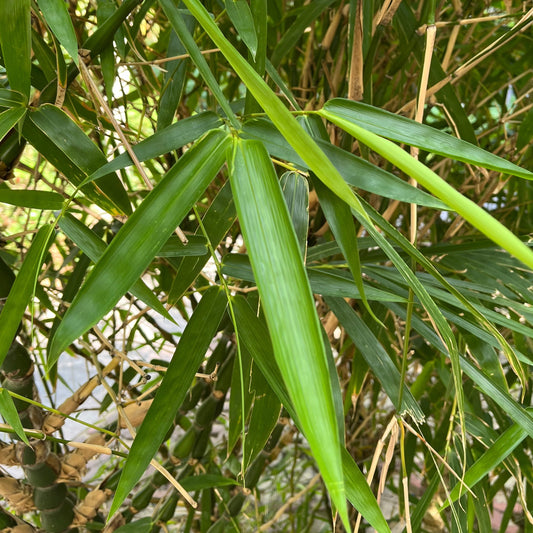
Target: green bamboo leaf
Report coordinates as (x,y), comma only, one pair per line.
(9,118)
(296,193)
(469,210)
(15,40)
(145,232)
(179,26)
(254,334)
(263,417)
(191,350)
(341,223)
(355,171)
(498,451)
(377,358)
(58,19)
(288,305)
(32,199)
(143,525)
(174,79)
(23,288)
(10,415)
(9,98)
(240,395)
(513,409)
(241,16)
(58,138)
(404,130)
(93,247)
(166,140)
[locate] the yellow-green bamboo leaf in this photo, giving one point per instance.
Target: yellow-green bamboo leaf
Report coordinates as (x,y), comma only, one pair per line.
(469,210)
(289,306)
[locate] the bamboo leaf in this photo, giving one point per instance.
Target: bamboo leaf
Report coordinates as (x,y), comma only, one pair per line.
(33,199)
(145,232)
(58,19)
(216,222)
(93,247)
(469,210)
(163,141)
(179,26)
(288,305)
(15,40)
(296,193)
(255,336)
(498,451)
(9,98)
(188,356)
(65,145)
(241,17)
(376,357)
(327,281)
(9,118)
(513,409)
(10,415)
(23,288)
(404,130)
(296,136)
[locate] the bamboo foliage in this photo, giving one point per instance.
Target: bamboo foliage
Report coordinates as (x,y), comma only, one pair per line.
(286,235)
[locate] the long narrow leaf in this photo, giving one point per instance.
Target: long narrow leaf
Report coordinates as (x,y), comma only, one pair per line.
(163,141)
(145,232)
(404,130)
(15,40)
(58,19)
(33,199)
(469,210)
(22,289)
(288,305)
(92,246)
(254,334)
(9,118)
(10,415)
(58,138)
(188,356)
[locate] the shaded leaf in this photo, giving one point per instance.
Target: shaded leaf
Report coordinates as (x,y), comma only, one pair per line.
(9,118)
(145,232)
(33,199)
(58,138)
(179,375)
(241,17)
(15,39)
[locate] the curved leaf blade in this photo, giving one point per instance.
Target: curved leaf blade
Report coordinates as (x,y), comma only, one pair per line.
(193,345)
(15,40)
(45,200)
(141,237)
(469,210)
(404,130)
(9,118)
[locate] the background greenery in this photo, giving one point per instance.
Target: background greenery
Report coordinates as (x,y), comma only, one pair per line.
(286,244)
